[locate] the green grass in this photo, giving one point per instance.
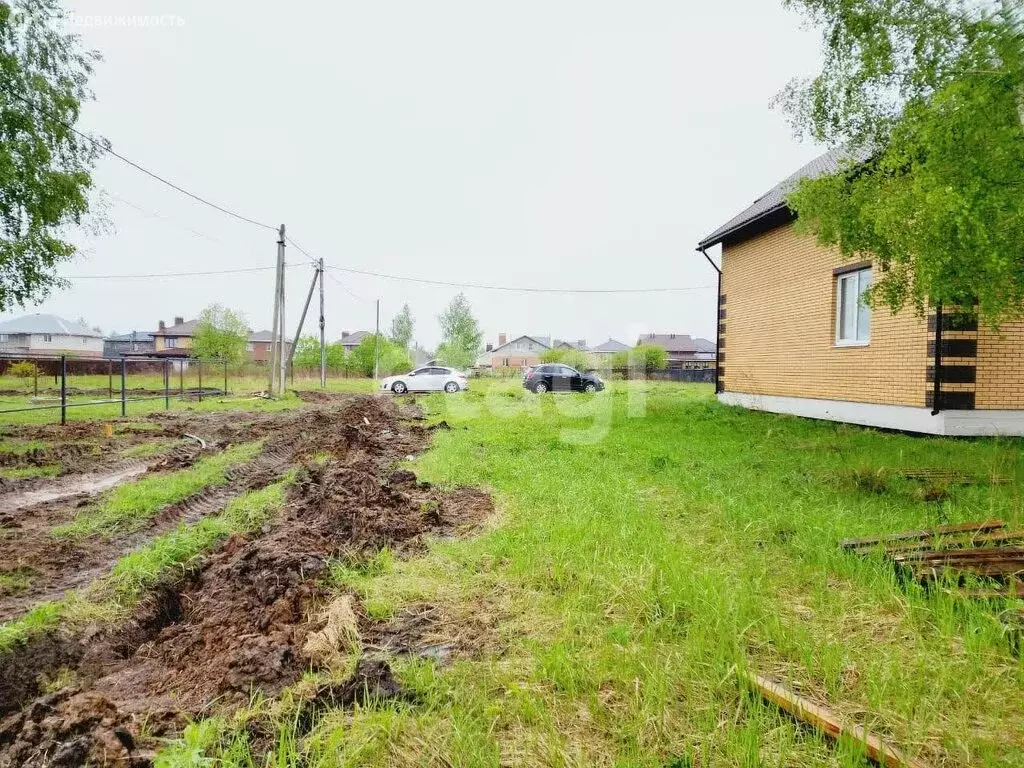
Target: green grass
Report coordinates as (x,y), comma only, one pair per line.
(650,544)
(164,558)
(130,505)
(24,473)
(15,581)
(20,447)
(240,399)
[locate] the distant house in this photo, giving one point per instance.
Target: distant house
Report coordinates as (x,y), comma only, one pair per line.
(176,341)
(48,335)
(579,346)
(520,352)
(797,337)
(258,346)
(352,340)
(604,352)
(134,343)
(683,351)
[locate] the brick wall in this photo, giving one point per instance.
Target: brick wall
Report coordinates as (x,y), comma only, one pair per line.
(1000,367)
(778,329)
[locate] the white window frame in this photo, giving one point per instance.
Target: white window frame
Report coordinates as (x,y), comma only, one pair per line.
(48,338)
(170,342)
(840,280)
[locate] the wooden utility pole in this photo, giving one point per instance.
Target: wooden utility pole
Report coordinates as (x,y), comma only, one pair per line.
(277,308)
(323,346)
(281,335)
(376,344)
(302,322)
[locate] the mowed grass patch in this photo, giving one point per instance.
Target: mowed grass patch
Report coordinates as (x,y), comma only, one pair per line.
(25,473)
(651,545)
(129,505)
(164,558)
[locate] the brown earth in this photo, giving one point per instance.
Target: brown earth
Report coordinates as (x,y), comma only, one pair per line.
(240,621)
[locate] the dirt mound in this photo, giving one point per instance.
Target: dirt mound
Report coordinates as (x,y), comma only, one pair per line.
(243,620)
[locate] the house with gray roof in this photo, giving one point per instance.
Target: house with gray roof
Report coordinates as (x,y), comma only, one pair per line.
(352,340)
(134,343)
(684,352)
(42,335)
(797,335)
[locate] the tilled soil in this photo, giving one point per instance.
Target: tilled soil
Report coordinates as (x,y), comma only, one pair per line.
(240,622)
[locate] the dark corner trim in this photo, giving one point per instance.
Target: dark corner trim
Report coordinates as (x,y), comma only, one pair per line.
(952,401)
(935,350)
(856,267)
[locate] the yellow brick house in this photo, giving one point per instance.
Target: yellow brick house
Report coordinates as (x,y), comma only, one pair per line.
(794,336)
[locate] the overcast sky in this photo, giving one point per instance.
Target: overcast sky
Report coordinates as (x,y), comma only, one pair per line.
(559,144)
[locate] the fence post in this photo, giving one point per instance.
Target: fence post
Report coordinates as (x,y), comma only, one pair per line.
(63,389)
(110,379)
(35,380)
(181,377)
(124,401)
(200,364)
(225,378)
(167,385)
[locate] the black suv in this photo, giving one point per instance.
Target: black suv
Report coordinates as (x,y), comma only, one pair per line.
(555,377)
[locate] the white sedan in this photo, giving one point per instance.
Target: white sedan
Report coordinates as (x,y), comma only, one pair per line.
(431,378)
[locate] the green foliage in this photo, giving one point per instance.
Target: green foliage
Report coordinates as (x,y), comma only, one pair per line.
(643,357)
(22,370)
(45,168)
(220,334)
(402,328)
(579,360)
(933,97)
(307,354)
(392,358)
(131,504)
(460,333)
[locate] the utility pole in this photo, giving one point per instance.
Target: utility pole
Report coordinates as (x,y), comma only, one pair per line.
(302,322)
(323,346)
(281,335)
(376,345)
(277,308)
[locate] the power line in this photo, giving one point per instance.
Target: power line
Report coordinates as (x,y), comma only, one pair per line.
(514,289)
(178,274)
(301,250)
(343,287)
(110,151)
(160,216)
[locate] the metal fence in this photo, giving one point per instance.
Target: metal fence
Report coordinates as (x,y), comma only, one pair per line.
(62,382)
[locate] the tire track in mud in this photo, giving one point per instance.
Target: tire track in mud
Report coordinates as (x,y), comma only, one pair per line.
(239,621)
(96,555)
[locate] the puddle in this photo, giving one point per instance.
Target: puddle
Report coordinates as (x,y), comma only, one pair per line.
(72,486)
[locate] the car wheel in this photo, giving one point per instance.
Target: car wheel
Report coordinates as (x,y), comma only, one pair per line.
(590,387)
(399,388)
(540,388)
(451,387)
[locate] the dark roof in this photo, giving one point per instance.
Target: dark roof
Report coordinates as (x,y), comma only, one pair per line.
(182,329)
(261,336)
(544,341)
(610,346)
(134,336)
(353,339)
(670,342)
(770,210)
(704,345)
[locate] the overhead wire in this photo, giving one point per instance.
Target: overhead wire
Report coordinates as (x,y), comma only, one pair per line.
(103,146)
(178,274)
(514,289)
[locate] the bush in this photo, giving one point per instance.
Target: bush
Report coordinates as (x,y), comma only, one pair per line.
(573,357)
(643,357)
(22,370)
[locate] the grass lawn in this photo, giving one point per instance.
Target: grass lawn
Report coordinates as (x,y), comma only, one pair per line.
(113,410)
(650,545)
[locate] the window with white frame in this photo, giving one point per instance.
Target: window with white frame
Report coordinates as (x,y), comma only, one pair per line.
(853,315)
(170,342)
(47,337)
